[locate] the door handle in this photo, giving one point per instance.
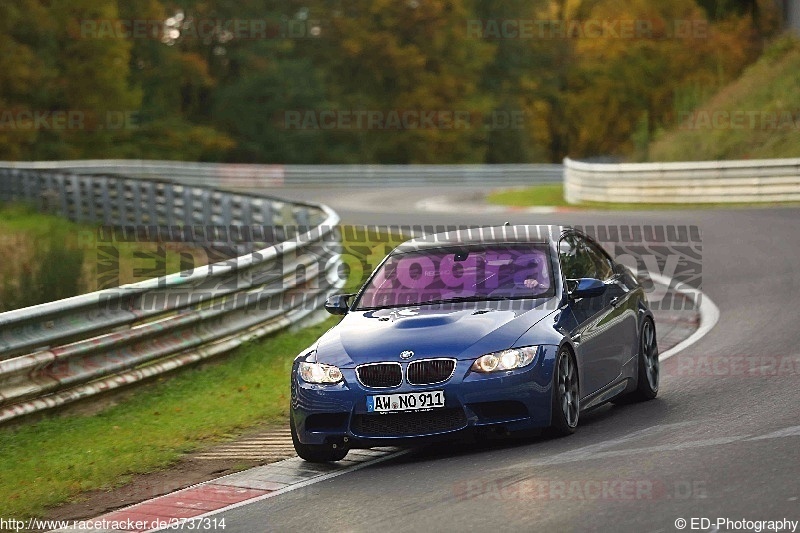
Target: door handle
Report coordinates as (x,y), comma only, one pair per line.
(615,301)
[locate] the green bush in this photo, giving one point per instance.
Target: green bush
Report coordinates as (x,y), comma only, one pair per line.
(41,259)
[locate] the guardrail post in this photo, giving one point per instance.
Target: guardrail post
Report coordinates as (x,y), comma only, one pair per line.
(61,182)
(266,214)
(301,217)
(227,214)
(208,217)
(91,198)
(169,203)
(11,188)
(6,176)
(188,205)
(77,197)
(122,213)
(136,187)
(105,200)
(247,212)
(152,205)
(26,187)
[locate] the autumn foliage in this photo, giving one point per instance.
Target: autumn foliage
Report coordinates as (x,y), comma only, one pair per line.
(372,81)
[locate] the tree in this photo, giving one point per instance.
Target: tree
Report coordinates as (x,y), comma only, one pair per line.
(410,56)
(27,74)
(617,82)
(520,78)
(93,77)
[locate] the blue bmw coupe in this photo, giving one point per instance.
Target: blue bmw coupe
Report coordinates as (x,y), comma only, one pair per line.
(494,330)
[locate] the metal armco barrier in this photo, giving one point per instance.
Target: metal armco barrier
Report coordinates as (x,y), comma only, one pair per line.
(58,352)
(767,180)
(231,176)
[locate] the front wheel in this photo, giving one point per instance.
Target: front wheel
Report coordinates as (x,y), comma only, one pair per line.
(566,395)
(315,453)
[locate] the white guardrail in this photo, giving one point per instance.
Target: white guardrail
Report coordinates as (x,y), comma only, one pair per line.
(235,176)
(58,352)
(766,180)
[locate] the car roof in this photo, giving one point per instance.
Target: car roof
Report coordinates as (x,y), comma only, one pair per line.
(462,236)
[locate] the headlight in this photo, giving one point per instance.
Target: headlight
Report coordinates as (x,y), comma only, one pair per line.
(318,373)
(505,360)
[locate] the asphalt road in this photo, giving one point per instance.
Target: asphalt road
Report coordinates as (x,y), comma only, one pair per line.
(722,439)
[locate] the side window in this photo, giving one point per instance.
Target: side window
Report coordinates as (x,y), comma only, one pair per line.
(576,260)
(603,267)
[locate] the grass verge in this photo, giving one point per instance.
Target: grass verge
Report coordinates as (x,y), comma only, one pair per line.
(754,117)
(52,461)
(553,195)
(46,258)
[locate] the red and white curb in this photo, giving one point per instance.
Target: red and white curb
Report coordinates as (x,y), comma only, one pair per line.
(196,503)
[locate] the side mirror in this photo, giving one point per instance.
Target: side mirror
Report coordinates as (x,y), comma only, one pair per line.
(338,304)
(586,288)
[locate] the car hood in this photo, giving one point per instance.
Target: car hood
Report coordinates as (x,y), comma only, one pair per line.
(464,333)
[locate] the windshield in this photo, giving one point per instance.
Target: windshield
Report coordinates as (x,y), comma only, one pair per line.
(467,273)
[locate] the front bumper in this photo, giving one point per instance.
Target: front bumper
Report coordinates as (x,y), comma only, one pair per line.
(513,401)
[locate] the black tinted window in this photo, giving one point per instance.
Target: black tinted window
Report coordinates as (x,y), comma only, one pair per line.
(576,261)
(478,272)
(602,264)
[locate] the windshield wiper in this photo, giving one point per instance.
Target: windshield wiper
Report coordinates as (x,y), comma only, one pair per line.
(458,299)
(455,299)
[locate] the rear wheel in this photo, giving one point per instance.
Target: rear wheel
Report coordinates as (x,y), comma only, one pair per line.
(315,453)
(649,366)
(566,395)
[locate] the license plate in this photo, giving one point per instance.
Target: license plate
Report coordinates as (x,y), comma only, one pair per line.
(412,401)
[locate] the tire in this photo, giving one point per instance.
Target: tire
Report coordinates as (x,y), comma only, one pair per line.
(566,406)
(315,453)
(647,363)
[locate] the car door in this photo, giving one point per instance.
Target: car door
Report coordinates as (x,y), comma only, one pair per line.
(621,332)
(591,333)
